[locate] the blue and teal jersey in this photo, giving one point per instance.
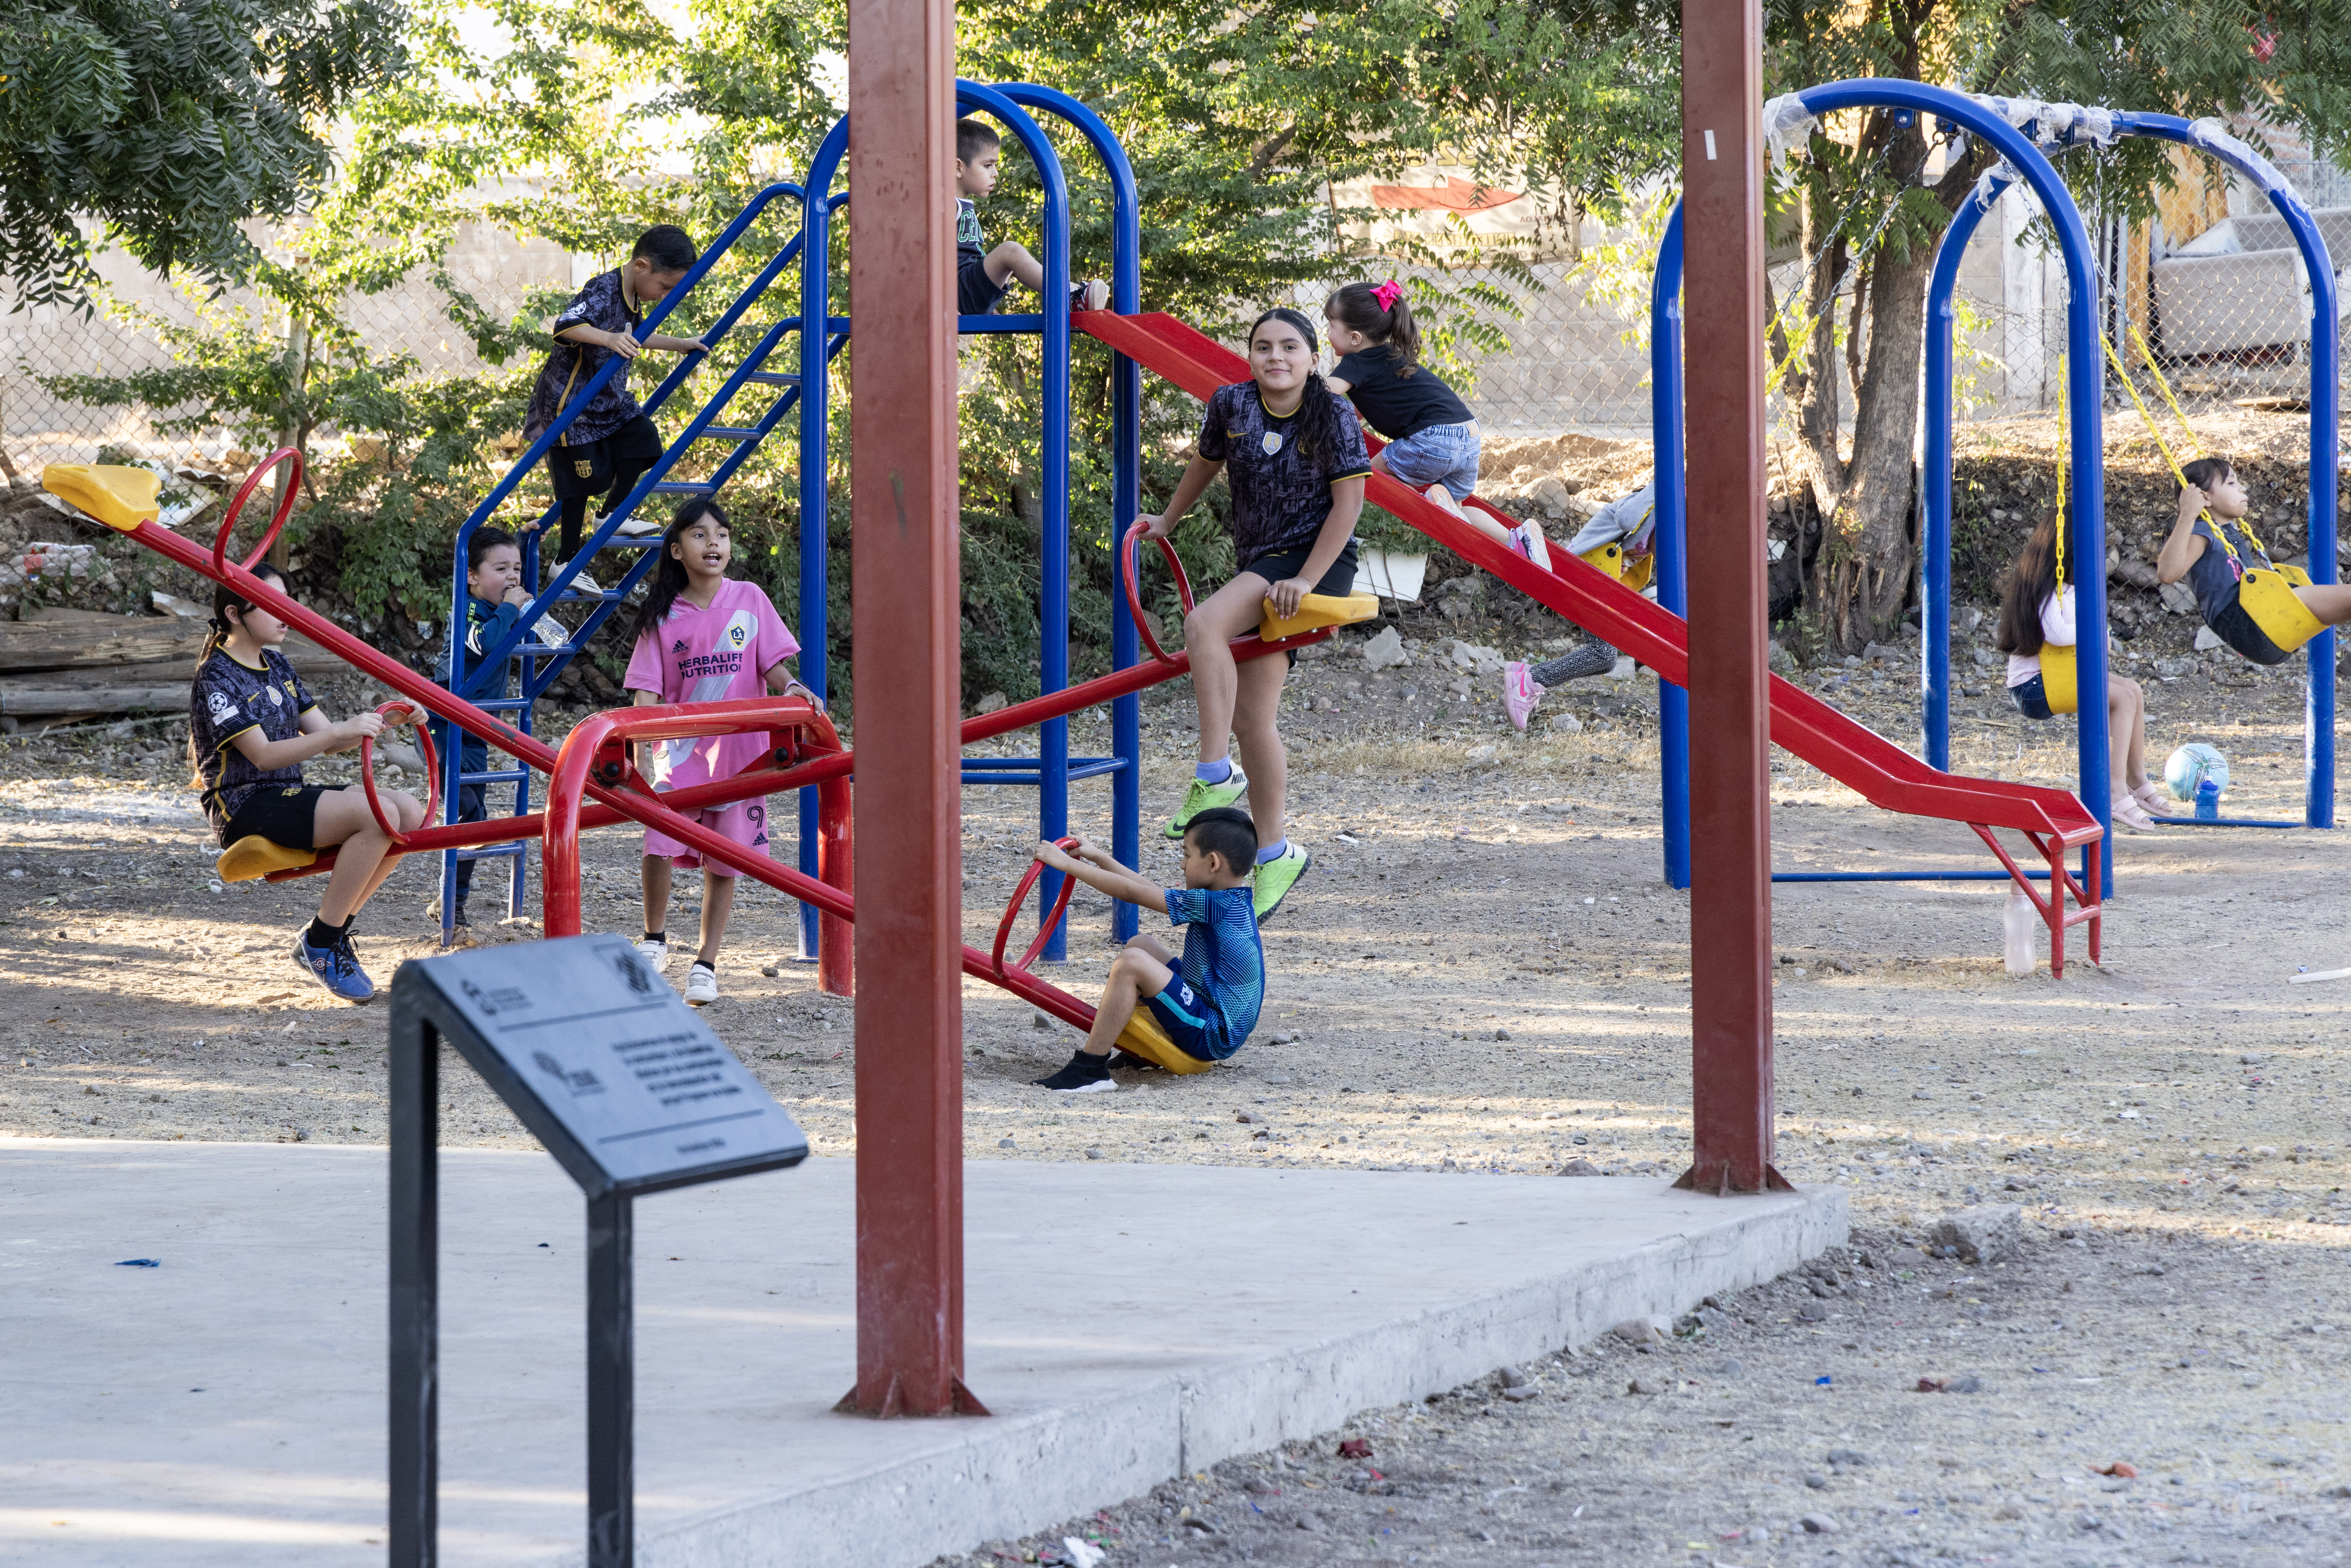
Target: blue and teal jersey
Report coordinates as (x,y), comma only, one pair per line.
(1223,961)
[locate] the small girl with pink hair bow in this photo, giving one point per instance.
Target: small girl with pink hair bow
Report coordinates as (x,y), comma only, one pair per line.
(1433,440)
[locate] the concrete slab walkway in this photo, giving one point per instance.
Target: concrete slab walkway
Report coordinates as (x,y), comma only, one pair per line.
(1127,1322)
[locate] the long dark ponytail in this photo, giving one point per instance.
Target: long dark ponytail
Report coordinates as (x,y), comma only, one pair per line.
(2030,581)
(1318,407)
(226,599)
(1357,308)
(669,572)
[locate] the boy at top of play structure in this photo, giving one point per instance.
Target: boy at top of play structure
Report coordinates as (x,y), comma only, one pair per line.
(2036,612)
(1297,471)
(702,637)
(602,454)
(982,275)
(1209,1000)
(251,725)
(2195,549)
(1433,439)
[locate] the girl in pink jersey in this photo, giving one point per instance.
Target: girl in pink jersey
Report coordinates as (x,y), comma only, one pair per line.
(702,637)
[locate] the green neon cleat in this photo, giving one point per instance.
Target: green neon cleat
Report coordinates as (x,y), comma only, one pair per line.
(1202,797)
(1277,876)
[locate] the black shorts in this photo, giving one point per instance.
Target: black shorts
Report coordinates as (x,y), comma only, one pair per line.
(2031,699)
(285,816)
(2242,632)
(1283,565)
(976,293)
(631,450)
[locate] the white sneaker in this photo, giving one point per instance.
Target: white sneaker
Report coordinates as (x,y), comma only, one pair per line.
(1444,498)
(1528,541)
(638,526)
(581,582)
(701,984)
(655,950)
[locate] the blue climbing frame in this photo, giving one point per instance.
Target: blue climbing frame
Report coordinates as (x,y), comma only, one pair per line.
(2084,385)
(1935,596)
(806,389)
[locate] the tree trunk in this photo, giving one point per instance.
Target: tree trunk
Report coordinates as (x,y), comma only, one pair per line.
(1867,562)
(294,431)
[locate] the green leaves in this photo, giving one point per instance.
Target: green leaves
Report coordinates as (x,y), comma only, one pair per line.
(169,123)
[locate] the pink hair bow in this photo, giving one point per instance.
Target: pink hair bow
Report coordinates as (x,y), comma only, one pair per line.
(1388,293)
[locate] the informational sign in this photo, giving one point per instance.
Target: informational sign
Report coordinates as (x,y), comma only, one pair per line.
(603,1061)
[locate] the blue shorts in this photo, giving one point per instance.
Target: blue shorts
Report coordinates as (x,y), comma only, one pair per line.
(2031,699)
(1196,1030)
(1443,455)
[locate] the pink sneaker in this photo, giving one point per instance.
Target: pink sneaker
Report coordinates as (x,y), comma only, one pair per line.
(1519,693)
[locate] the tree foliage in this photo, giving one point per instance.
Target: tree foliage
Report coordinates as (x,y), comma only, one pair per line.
(170,123)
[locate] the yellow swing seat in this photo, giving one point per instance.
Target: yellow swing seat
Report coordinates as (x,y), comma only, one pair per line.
(252,857)
(1145,1037)
(2269,598)
(2060,683)
(1633,571)
(117,495)
(1316,610)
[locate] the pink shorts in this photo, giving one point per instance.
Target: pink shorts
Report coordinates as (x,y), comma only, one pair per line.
(744,822)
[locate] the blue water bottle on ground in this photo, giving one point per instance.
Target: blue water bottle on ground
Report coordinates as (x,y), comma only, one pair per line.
(2208,800)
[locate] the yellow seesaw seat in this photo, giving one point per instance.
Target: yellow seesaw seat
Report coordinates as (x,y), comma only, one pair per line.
(252,857)
(1634,573)
(120,497)
(1317,610)
(1145,1038)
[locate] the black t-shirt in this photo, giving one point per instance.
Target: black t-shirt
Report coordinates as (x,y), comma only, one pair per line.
(1397,406)
(1281,498)
(228,699)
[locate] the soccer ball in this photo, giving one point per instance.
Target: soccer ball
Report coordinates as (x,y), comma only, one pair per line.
(2190,765)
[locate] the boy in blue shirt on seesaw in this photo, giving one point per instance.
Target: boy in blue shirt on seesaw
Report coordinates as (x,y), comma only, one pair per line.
(1207,1000)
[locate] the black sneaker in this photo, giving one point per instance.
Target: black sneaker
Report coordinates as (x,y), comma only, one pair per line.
(1084,1075)
(1123,1061)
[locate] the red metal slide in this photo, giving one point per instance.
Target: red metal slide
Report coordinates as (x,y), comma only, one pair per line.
(1867,762)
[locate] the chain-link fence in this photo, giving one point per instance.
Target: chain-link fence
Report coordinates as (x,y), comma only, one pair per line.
(37,427)
(2206,304)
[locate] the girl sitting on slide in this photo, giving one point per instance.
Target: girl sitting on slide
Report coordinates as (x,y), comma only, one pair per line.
(1433,439)
(251,725)
(2036,611)
(1297,473)
(2215,499)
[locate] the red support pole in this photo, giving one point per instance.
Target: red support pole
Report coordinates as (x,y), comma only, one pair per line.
(907,659)
(1731,801)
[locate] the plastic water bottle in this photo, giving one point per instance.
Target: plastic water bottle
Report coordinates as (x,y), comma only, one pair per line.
(2208,800)
(2017,921)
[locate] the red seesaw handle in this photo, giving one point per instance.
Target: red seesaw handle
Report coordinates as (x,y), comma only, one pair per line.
(1021,896)
(431,773)
(245,493)
(1127,574)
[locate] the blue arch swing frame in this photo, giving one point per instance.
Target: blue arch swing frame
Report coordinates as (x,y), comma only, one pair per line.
(2083,403)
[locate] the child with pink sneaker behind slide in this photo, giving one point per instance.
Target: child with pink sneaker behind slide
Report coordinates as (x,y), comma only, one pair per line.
(1433,439)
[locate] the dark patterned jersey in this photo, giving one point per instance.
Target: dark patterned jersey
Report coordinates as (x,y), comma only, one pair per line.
(601,303)
(228,699)
(1281,498)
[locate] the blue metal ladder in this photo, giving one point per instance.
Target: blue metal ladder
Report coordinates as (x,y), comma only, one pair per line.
(532,666)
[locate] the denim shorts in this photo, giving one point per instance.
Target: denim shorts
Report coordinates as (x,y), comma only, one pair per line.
(2031,699)
(1443,455)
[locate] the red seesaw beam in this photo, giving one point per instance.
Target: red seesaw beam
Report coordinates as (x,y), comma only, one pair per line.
(613,806)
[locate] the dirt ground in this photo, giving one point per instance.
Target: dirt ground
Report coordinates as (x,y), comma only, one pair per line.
(1485,972)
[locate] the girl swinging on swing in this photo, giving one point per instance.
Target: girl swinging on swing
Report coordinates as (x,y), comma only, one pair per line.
(2037,633)
(2263,611)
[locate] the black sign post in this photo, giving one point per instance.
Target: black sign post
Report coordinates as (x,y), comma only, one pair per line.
(631,1093)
